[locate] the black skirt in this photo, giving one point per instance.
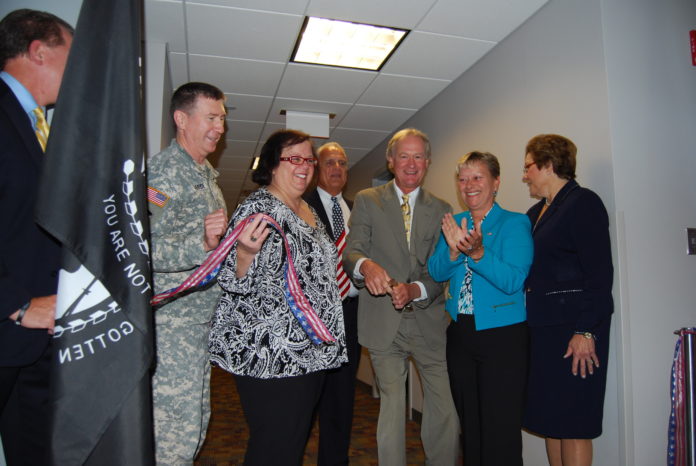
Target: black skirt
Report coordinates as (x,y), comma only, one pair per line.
(559,404)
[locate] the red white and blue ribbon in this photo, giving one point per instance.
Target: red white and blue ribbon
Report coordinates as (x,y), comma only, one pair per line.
(676,442)
(298,302)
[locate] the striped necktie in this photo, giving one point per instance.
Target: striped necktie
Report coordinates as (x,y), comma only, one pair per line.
(406,212)
(41,127)
(340,240)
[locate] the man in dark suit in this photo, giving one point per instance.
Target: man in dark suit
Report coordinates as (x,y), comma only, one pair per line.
(336,405)
(34,48)
(393,231)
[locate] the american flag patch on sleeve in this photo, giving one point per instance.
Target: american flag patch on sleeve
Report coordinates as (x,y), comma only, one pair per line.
(157,197)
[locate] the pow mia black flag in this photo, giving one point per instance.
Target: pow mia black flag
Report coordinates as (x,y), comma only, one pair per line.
(92,199)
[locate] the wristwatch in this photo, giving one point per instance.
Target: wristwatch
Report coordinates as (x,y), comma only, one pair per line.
(22,311)
(588,335)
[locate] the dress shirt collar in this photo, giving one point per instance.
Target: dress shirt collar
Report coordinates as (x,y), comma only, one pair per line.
(326,197)
(24,97)
(411,196)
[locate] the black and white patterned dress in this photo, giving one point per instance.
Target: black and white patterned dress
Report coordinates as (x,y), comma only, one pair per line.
(254,332)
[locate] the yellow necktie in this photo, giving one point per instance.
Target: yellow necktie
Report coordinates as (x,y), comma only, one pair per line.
(406,212)
(41,127)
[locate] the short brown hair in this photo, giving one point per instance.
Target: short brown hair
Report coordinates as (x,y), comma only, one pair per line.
(557,150)
(185,96)
(22,27)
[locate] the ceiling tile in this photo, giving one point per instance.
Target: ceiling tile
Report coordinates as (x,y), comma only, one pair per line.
(395,13)
(232,75)
(231,32)
(244,130)
(242,46)
(234,166)
(355,154)
(436,56)
(479,19)
(283,6)
(235,148)
(324,83)
(402,91)
(300,105)
(247,107)
(358,138)
(376,118)
(267,131)
(164,22)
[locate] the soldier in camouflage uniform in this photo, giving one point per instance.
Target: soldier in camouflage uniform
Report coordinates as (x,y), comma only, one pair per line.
(188,218)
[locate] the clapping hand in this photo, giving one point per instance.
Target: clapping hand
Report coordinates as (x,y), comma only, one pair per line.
(472,242)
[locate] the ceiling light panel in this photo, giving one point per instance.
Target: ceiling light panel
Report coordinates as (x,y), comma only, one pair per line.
(346,44)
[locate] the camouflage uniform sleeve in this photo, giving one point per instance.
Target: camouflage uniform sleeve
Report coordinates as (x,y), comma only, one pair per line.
(176,230)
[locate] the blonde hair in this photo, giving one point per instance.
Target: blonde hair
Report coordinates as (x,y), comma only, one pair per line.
(405,133)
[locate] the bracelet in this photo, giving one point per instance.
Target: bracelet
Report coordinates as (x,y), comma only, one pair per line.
(22,311)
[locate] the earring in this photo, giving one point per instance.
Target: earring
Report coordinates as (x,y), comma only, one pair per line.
(495,193)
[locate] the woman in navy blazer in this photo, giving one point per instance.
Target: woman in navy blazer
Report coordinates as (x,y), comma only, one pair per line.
(485,253)
(569,303)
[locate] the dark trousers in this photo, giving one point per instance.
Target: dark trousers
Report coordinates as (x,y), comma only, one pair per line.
(279,415)
(488,376)
(24,412)
(336,404)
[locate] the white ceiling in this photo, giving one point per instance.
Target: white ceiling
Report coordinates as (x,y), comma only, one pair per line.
(243,47)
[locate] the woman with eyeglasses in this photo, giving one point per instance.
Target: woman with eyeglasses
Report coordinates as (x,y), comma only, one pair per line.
(569,303)
(255,334)
(485,254)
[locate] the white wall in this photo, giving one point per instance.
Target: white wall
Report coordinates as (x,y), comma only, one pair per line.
(652,110)
(614,76)
(158,93)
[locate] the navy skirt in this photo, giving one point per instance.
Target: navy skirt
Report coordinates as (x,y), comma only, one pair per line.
(559,404)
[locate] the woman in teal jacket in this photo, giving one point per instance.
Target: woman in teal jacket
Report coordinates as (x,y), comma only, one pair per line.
(486,253)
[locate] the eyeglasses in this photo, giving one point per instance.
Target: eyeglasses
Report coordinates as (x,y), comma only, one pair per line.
(297,160)
(526,167)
